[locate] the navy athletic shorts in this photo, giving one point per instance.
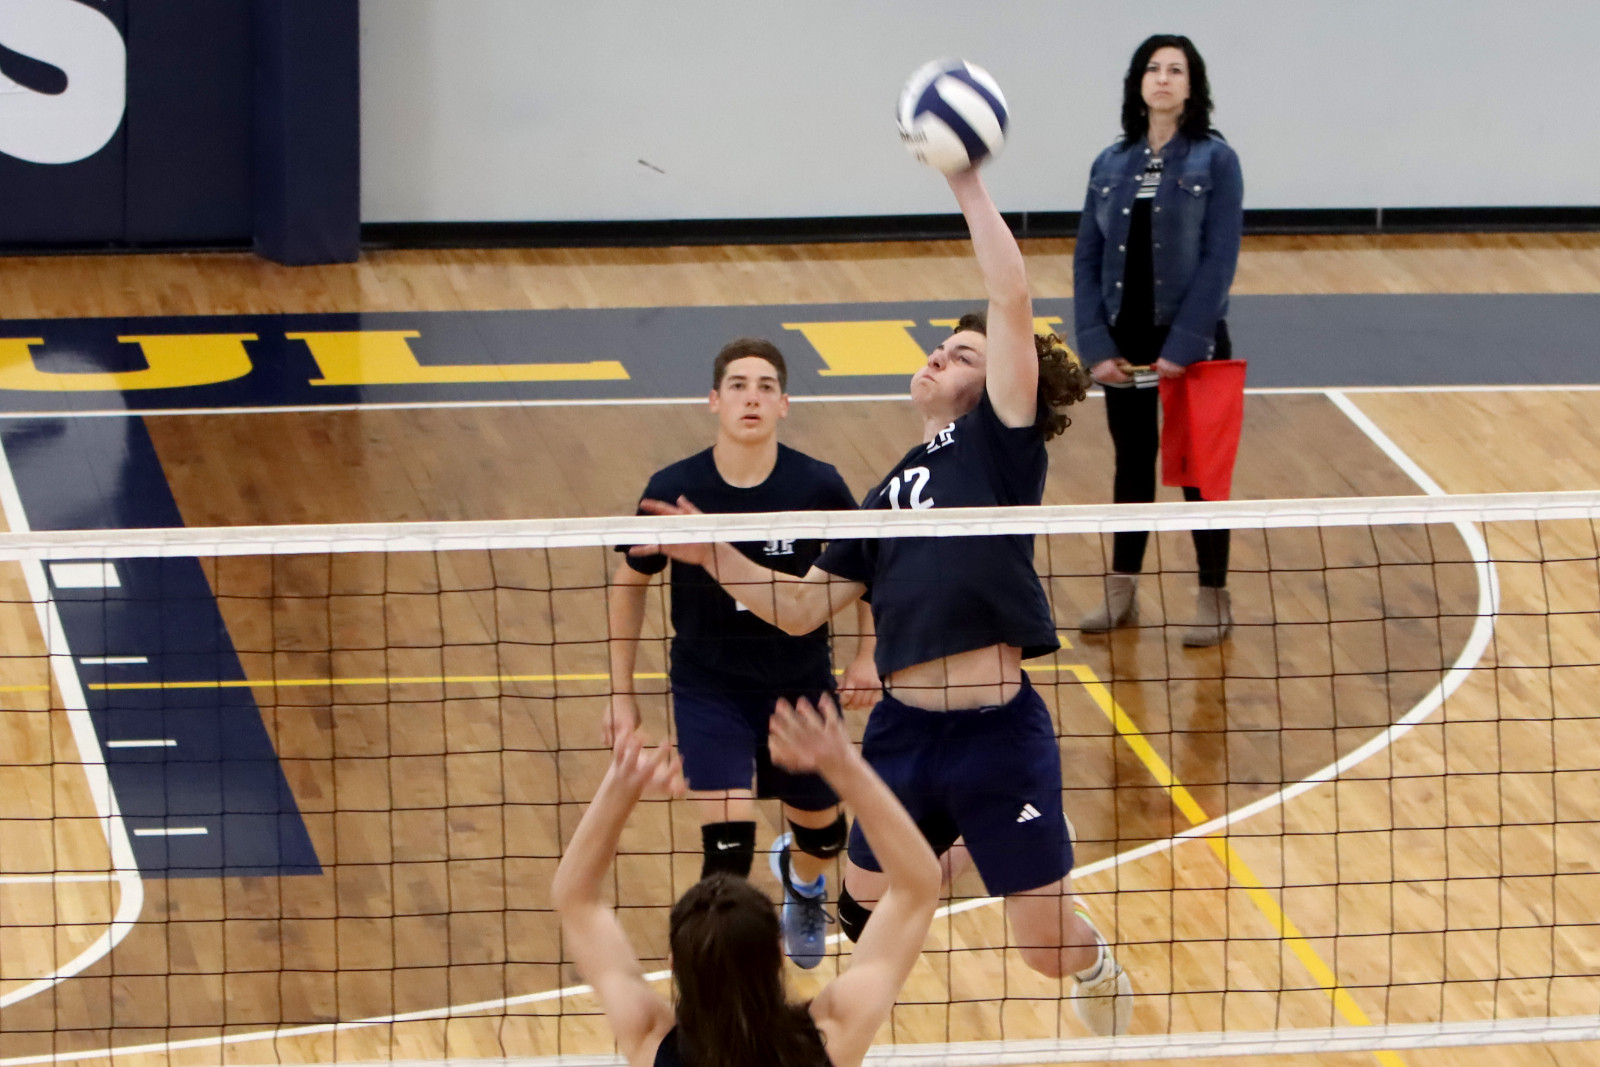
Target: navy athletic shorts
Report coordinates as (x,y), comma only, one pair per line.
(722,738)
(990,775)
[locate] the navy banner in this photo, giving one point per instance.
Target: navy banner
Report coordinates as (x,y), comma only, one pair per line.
(181,122)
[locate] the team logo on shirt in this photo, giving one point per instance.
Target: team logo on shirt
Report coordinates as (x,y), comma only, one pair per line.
(780,547)
(946,436)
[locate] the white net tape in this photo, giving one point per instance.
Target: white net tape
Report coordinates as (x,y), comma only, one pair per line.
(942,522)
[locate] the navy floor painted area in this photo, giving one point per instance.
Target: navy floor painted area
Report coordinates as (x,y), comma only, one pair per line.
(1290,341)
(194,770)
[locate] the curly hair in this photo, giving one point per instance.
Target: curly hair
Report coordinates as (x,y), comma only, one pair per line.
(1196,120)
(1063,381)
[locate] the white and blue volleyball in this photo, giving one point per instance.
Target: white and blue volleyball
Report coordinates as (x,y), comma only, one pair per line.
(952,115)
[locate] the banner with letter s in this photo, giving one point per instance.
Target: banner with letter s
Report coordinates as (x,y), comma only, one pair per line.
(123,123)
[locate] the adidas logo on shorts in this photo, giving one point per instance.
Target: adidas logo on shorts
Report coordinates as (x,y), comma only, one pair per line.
(1029,813)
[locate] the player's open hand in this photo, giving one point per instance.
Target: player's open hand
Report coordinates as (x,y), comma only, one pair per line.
(646,772)
(807,740)
(698,554)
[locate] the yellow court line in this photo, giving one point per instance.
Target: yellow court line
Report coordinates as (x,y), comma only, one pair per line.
(1238,869)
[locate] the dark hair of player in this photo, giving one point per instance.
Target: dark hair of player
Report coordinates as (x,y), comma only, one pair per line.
(1062,379)
(1196,121)
(727,960)
(741,347)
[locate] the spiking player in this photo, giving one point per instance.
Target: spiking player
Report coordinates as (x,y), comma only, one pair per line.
(729,667)
(960,735)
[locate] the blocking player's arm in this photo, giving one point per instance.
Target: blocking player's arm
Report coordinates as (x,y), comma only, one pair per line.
(639,1016)
(625,602)
(853,1006)
(1013,362)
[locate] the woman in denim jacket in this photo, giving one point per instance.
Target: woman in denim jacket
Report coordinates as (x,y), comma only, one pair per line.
(1157,247)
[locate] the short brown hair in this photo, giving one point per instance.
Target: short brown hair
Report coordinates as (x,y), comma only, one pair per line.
(976,321)
(1062,379)
(741,347)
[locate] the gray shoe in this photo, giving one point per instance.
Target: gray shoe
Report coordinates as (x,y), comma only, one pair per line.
(1213,619)
(1120,609)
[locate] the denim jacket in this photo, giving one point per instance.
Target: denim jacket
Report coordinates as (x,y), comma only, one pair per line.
(1195,226)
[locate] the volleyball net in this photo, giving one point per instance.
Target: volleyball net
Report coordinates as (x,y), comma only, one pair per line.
(308,786)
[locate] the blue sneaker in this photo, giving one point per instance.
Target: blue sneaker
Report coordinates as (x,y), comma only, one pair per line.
(804,919)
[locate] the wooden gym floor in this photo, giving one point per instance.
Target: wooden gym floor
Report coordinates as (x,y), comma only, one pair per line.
(1448,877)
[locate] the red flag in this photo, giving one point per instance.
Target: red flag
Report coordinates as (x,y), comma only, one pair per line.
(1203,415)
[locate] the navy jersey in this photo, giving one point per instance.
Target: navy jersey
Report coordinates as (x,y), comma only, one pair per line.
(718,643)
(938,596)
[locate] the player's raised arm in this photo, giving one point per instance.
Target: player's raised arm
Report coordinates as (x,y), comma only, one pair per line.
(1013,362)
(605,959)
(853,1006)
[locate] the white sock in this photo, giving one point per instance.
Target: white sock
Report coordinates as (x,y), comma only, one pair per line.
(1091,972)
(808,889)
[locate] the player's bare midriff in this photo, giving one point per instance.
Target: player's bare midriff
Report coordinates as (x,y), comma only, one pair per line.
(983,677)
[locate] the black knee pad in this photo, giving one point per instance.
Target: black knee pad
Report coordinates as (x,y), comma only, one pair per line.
(823,842)
(729,847)
(852,916)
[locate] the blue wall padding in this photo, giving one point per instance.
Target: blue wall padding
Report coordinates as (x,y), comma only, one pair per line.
(307,131)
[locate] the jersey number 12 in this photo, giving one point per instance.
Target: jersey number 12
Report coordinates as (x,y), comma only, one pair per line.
(916,480)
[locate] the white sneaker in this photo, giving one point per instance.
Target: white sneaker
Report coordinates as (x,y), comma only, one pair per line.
(1105,1003)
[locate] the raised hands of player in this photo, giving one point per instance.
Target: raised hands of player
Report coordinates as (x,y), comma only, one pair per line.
(806,740)
(620,719)
(646,772)
(697,554)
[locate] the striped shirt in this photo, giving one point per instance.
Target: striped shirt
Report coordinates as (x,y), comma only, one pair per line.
(1152,178)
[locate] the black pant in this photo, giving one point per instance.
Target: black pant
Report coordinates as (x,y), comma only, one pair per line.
(1134,416)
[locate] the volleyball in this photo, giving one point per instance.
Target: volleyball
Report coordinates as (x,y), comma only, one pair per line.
(952,115)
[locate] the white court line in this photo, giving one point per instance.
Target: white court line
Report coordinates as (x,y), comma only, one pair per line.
(171,831)
(1170,1045)
(125,871)
(631,401)
(112,661)
(165,742)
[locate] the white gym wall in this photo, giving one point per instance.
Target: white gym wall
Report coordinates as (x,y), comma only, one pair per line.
(541,110)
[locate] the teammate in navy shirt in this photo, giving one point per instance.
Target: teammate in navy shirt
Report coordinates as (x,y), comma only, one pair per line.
(729,667)
(961,736)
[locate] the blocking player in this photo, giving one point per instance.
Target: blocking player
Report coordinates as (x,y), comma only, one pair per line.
(729,666)
(960,735)
(727,965)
